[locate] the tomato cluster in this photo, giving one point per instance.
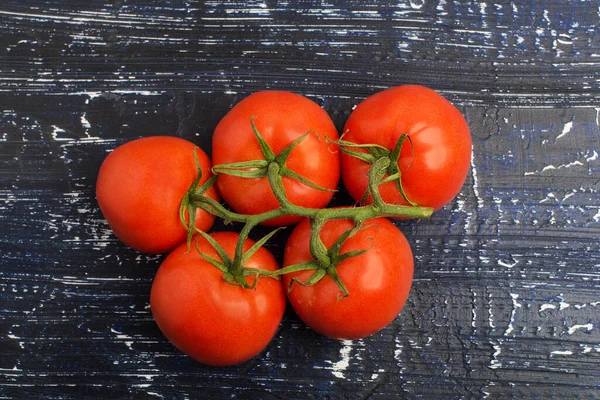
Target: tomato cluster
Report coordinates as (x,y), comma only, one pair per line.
(219,297)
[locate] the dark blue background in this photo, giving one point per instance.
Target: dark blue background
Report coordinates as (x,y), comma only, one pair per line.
(506,294)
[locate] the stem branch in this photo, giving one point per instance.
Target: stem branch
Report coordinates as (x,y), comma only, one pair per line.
(273,168)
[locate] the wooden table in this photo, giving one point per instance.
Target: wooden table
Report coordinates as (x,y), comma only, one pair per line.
(506,297)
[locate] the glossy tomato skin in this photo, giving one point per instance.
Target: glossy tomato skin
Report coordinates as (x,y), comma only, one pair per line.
(280,117)
(435,168)
(205,317)
(378,281)
(140,186)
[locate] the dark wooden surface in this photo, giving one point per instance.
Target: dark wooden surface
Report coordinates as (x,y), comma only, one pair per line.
(506,297)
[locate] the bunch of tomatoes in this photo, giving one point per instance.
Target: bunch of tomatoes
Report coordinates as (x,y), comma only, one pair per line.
(277,159)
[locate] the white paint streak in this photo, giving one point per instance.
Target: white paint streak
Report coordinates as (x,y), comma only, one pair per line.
(513,314)
(120,335)
(474,312)
(547,17)
(568,195)
(589,349)
(480,203)
(483,10)
(593,157)
(55,131)
(74,281)
(340,367)
(491,314)
(93,94)
(495,363)
(563,304)
(417,4)
(566,129)
(398,351)
(597,216)
(440,7)
(545,307)
(84,122)
(485,393)
(552,167)
(562,352)
(575,328)
(13,369)
(104,18)
(507,264)
(548,197)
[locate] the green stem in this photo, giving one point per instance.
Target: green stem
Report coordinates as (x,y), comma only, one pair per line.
(316,245)
(273,167)
(376,173)
(276,182)
(237,265)
(361,213)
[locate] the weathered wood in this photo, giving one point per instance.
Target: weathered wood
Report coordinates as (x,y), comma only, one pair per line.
(506,296)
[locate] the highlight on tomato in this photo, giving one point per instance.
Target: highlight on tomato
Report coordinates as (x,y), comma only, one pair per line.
(140,187)
(276,127)
(363,290)
(198,305)
(425,136)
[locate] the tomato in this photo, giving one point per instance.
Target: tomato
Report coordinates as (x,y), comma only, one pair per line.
(205,317)
(139,190)
(280,117)
(378,281)
(434,168)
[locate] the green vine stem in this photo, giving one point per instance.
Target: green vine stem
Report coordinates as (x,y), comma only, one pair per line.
(274,169)
(360,213)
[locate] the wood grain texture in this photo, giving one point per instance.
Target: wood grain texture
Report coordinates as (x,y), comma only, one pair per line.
(506,297)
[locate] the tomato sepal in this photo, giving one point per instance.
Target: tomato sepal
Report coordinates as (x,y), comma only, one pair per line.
(188,205)
(325,261)
(233,270)
(243,169)
(312,280)
(259,168)
(372,154)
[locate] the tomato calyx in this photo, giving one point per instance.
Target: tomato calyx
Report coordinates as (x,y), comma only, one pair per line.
(187,208)
(259,168)
(325,261)
(234,270)
(371,153)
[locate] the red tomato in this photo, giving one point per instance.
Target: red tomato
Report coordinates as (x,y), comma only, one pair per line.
(434,168)
(280,117)
(378,281)
(205,317)
(140,186)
